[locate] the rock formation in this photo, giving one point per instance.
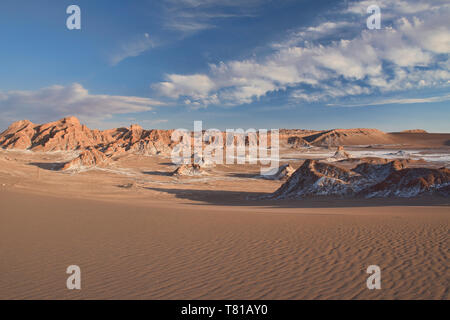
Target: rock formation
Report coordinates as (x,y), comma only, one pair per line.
(94,146)
(88,158)
(68,135)
(411,182)
(189,170)
(414,131)
(340,154)
(281,173)
(63,135)
(337,137)
(298,143)
(392,179)
(202,160)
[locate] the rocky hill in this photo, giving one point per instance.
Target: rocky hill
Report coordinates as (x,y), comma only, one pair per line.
(95,147)
(414,131)
(298,143)
(390,179)
(89,157)
(339,137)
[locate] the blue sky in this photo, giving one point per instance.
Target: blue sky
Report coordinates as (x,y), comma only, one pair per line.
(249,64)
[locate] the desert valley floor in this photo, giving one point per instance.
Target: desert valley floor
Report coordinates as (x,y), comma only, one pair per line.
(139,232)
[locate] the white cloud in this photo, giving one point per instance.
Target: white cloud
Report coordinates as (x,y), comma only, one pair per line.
(431,34)
(197,86)
(397,7)
(314,33)
(132,48)
(191,16)
(410,54)
(59,101)
(332,91)
(188,26)
(398,101)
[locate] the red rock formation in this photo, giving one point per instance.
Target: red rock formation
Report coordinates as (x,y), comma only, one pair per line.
(68,135)
(18,135)
(139,141)
(90,157)
(63,135)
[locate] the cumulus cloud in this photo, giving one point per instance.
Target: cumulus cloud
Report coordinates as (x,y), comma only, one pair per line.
(410,52)
(197,86)
(59,101)
(316,33)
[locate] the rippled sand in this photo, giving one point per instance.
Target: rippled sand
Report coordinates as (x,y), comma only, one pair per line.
(185,251)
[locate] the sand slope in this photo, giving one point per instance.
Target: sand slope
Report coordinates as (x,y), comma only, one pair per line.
(206,252)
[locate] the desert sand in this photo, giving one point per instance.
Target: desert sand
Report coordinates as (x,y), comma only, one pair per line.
(192,251)
(138,231)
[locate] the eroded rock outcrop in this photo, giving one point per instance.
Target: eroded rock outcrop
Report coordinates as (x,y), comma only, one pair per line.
(88,158)
(189,170)
(411,182)
(281,173)
(298,143)
(338,137)
(392,179)
(95,147)
(69,135)
(415,131)
(64,135)
(340,154)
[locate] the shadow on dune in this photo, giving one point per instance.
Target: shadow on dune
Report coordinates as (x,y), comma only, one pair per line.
(52,166)
(168,164)
(236,198)
(243,175)
(158,173)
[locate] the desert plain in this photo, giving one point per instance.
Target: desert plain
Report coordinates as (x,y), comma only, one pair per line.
(72,196)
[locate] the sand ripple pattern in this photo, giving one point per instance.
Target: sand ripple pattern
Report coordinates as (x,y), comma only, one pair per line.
(130,252)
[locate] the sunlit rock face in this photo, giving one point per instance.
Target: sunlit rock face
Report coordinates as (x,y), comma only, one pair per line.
(93,147)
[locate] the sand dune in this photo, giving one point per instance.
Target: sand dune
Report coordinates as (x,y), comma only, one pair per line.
(192,252)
